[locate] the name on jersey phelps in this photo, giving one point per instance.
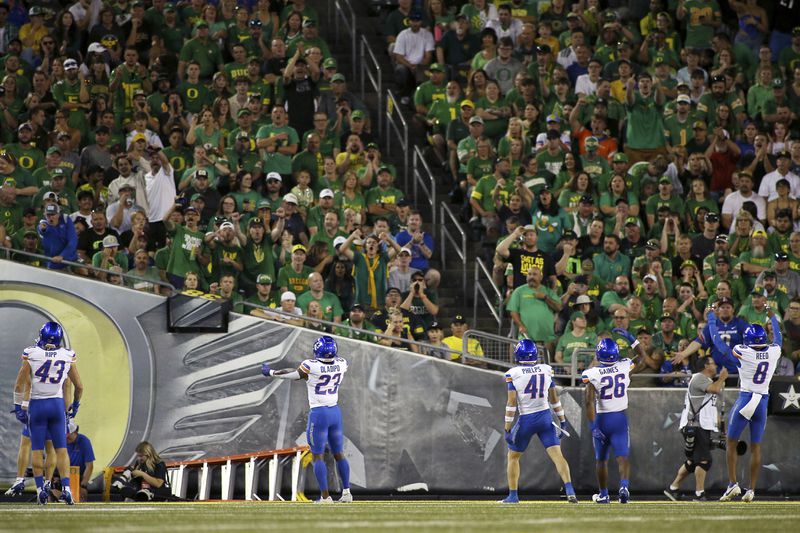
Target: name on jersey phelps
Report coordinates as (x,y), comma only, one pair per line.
(609,370)
(531,369)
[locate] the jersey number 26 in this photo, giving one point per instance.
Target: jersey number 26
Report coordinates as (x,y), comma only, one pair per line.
(612,387)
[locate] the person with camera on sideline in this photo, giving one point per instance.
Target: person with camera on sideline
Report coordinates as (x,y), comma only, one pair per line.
(698,419)
(146,479)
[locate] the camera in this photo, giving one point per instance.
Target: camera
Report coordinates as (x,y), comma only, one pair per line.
(720,442)
(689,436)
(122,480)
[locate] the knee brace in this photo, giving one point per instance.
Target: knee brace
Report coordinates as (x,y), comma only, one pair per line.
(690,466)
(706,466)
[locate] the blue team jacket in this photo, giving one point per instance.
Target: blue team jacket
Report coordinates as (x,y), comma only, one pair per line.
(59,240)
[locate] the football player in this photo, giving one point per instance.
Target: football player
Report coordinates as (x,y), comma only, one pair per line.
(45,367)
(757,361)
(532,393)
(323,376)
(606,404)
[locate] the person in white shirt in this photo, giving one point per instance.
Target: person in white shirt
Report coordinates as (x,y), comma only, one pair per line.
(506,25)
(768,189)
(587,83)
(733,202)
(160,189)
(413,51)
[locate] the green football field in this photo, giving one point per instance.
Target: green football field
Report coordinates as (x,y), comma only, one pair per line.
(647,517)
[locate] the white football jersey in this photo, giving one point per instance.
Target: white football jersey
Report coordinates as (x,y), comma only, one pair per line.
(49,369)
(611,383)
(323,381)
(532,382)
(757,367)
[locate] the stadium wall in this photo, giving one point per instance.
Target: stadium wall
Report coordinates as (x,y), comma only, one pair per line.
(412,423)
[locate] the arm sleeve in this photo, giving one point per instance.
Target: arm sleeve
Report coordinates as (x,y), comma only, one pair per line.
(777,338)
(723,348)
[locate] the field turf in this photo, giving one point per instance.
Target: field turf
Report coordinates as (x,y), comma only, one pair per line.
(384,516)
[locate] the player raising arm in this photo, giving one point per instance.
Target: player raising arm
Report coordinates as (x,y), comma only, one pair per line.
(606,404)
(757,360)
(323,375)
(44,369)
(530,389)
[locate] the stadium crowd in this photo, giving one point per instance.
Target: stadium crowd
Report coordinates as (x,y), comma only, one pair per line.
(624,164)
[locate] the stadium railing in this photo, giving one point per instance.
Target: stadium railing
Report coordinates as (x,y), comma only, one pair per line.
(371,71)
(275,460)
(396,124)
(74,264)
(345,18)
(423,346)
(451,232)
(494,303)
(424,179)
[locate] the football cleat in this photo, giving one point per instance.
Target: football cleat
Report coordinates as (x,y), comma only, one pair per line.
(624,495)
(596,498)
(749,495)
(17,488)
(673,495)
(731,492)
(346,498)
(324,500)
(42,497)
(66,497)
(572,498)
(509,499)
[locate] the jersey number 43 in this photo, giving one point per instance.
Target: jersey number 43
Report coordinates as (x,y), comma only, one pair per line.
(44,371)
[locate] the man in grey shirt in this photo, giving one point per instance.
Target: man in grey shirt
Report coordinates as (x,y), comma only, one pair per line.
(698,420)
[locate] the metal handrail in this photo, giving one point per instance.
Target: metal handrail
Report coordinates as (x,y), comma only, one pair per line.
(347,17)
(45,259)
(279,312)
(445,236)
(424,178)
(495,309)
(374,76)
(401,131)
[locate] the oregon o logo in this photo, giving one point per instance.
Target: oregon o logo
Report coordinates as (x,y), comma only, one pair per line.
(192,93)
(26,162)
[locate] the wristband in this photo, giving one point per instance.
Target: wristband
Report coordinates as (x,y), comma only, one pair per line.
(24,404)
(635,344)
(509,419)
(512,410)
(18,397)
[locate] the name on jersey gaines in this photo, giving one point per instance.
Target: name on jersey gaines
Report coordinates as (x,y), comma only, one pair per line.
(610,370)
(330,368)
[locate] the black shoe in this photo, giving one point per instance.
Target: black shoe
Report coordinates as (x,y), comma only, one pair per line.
(701,498)
(673,495)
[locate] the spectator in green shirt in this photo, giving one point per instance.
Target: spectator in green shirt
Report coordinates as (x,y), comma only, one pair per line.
(576,338)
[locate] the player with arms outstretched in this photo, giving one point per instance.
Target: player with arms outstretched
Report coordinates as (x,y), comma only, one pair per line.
(606,404)
(757,360)
(532,393)
(323,376)
(45,367)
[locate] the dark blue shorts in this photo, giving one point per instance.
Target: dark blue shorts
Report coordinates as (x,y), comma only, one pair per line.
(526,426)
(325,427)
(615,427)
(46,421)
(757,422)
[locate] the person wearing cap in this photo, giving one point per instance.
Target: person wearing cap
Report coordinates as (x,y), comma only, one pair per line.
(28,156)
(457,47)
(373,163)
(768,190)
(665,197)
(703,244)
(392,302)
(777,297)
(54,181)
(356,318)
(59,238)
(533,309)
(757,258)
(202,49)
(324,205)
(186,244)
(371,266)
(263,297)
(788,280)
(109,256)
(430,90)
(576,338)
(719,94)
(294,275)
(382,199)
(458,327)
(441,113)
(223,251)
(412,53)
(15,222)
(256,255)
(782,225)
(678,130)
(667,339)
(491,189)
(644,141)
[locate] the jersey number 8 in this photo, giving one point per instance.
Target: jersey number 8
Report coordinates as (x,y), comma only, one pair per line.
(761,372)
(618,384)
